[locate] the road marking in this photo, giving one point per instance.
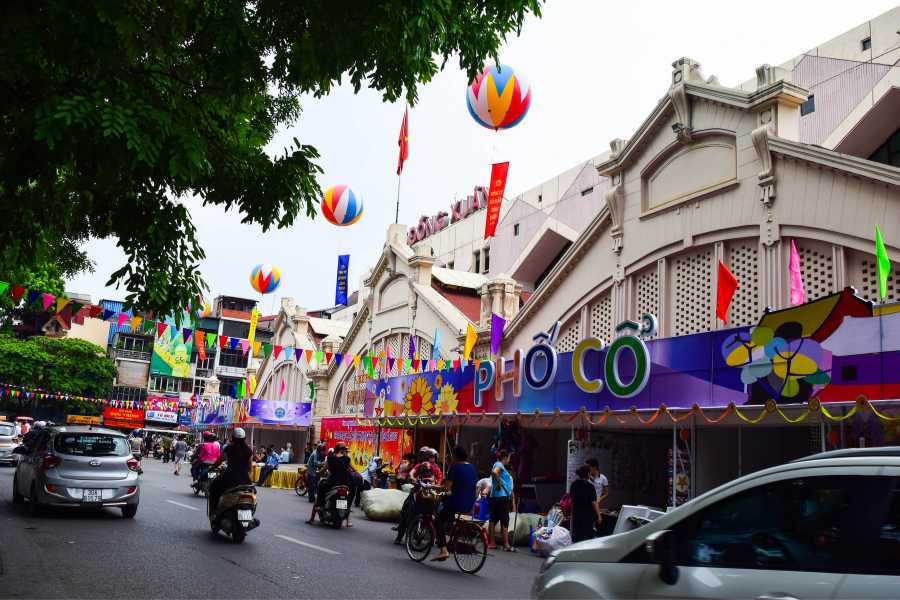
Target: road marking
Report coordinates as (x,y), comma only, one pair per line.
(187,506)
(308,545)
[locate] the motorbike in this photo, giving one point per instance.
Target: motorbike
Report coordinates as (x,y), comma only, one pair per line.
(334,508)
(235,513)
(302,485)
(204,478)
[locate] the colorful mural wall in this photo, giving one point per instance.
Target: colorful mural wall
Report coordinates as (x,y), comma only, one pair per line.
(172,355)
(362,441)
(837,348)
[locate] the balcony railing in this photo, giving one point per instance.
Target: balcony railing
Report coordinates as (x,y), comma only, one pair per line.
(231,371)
(204,372)
(132,354)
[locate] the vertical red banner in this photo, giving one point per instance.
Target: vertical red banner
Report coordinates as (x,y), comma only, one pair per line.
(495,197)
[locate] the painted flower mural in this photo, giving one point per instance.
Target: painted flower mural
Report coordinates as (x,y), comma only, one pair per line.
(448,399)
(779,365)
(418,398)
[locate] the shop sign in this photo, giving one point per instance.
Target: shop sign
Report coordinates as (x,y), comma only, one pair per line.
(162,416)
(361,441)
(123,417)
(275,412)
(82,420)
(459,210)
(538,366)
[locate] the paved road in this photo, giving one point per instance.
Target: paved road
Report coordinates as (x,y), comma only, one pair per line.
(167,551)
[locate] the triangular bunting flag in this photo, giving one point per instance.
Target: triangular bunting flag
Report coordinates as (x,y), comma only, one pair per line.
(136,323)
(327,358)
(257,346)
(390,363)
(60,303)
(107,314)
(3,287)
(308,354)
(456,363)
(288,352)
(121,318)
(277,349)
(160,329)
(149,326)
(95,311)
(17,291)
(440,364)
(356,361)
(187,334)
(32,296)
(245,346)
(223,339)
(210,340)
(47,300)
(267,349)
(319,356)
(233,343)
(415,364)
(337,358)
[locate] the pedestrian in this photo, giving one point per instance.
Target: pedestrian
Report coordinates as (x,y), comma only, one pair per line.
(500,500)
(179,448)
(312,470)
(598,479)
(284,457)
(403,469)
(290,452)
(585,509)
(307,452)
(271,465)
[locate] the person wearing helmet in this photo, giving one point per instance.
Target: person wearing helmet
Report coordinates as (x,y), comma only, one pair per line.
(32,434)
(339,473)
(236,455)
(207,453)
(427,472)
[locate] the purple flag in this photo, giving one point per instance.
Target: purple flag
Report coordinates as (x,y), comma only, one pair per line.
(412,347)
(497,325)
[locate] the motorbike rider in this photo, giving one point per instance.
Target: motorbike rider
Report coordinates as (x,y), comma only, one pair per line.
(426,472)
(207,453)
(236,455)
(339,468)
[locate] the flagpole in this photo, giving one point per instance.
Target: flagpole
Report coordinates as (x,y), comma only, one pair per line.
(397,212)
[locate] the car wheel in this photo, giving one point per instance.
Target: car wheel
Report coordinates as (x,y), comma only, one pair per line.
(37,509)
(17,498)
(129,510)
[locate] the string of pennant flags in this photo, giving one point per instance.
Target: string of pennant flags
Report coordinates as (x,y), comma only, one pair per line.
(375,365)
(31,393)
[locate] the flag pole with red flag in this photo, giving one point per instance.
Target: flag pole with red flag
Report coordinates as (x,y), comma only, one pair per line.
(725,289)
(403,142)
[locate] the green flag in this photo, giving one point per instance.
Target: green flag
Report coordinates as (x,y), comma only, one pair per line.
(210,340)
(3,287)
(883,263)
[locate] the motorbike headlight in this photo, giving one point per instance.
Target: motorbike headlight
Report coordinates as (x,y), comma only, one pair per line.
(549,562)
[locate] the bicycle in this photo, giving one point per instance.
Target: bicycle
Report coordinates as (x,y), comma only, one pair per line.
(466,540)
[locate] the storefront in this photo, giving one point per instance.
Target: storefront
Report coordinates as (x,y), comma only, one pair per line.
(666,418)
(123,418)
(365,440)
(276,423)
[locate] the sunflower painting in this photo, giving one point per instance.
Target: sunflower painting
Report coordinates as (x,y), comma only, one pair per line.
(418,397)
(447,399)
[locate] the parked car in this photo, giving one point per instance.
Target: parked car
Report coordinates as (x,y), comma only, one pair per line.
(826,526)
(78,466)
(7,443)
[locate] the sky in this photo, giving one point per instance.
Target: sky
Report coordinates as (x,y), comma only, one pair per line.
(596,71)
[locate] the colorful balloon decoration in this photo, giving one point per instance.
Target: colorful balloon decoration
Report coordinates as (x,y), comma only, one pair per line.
(499,97)
(203,309)
(341,206)
(265,279)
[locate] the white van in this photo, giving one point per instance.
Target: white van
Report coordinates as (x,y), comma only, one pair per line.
(826,526)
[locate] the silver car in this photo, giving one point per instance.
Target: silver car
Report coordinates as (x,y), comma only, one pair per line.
(78,466)
(7,443)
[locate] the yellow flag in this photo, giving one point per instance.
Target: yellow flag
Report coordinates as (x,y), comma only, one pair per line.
(254,317)
(256,347)
(135,323)
(440,364)
(471,338)
(356,361)
(252,384)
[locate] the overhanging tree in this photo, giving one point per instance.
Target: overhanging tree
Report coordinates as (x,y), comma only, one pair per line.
(115,111)
(67,366)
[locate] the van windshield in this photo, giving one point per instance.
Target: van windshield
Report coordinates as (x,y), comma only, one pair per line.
(91,444)
(7,430)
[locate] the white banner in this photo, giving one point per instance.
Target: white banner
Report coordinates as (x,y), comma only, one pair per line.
(161,416)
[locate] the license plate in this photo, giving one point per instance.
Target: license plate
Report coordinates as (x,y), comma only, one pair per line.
(92,496)
(245,515)
(341,504)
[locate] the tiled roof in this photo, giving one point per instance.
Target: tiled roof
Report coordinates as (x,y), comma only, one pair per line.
(467,304)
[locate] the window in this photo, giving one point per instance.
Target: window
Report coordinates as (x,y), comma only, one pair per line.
(477,261)
(820,524)
(199,387)
(134,343)
(889,152)
(164,383)
(232,358)
(516,229)
(487,260)
(866,43)
(809,106)
(587,191)
(130,393)
(228,386)
(91,444)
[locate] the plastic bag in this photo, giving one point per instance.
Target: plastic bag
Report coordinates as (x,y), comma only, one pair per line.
(548,539)
(383,505)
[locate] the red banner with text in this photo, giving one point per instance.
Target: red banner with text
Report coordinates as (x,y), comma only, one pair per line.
(495,197)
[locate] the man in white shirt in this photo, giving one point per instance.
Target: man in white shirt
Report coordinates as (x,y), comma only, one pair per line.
(601,483)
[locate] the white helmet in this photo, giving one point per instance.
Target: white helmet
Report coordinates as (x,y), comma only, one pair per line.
(239,433)
(40,424)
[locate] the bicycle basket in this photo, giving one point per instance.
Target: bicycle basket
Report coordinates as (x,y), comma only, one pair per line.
(427,501)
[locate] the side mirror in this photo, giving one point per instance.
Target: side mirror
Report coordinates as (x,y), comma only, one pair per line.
(660,545)
(20,450)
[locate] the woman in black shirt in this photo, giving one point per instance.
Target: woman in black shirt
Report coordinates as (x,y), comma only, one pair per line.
(237,457)
(585,510)
(338,464)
